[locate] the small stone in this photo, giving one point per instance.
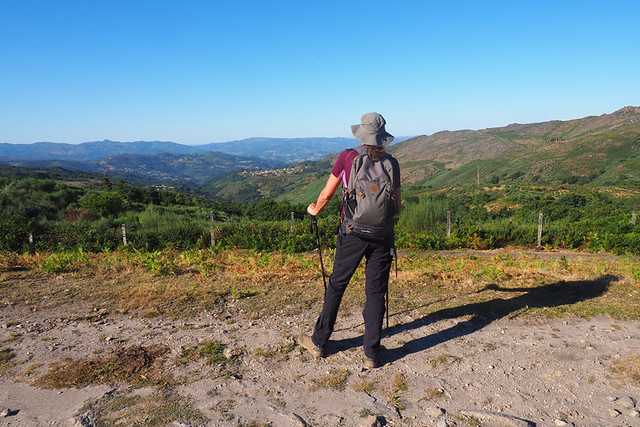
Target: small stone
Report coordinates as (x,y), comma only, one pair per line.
(612,398)
(633,414)
(626,402)
(434,411)
(5,413)
(372,421)
(333,420)
(614,413)
(560,423)
(442,423)
(107,339)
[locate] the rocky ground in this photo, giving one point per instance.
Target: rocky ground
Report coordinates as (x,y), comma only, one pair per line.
(513,371)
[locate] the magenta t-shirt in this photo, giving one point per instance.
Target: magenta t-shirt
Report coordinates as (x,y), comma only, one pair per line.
(342,167)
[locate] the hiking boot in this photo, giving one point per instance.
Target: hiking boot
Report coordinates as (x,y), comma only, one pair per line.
(306,342)
(370,363)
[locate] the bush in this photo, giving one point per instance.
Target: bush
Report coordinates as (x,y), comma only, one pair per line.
(15,233)
(104,203)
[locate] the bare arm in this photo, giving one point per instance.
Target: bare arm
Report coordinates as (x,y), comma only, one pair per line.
(325,195)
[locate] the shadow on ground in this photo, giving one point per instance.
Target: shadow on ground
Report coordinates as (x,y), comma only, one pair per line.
(483,313)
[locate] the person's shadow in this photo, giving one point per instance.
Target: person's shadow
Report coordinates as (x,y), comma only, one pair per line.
(483,313)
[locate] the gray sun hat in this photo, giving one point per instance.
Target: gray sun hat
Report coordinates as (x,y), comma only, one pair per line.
(371,130)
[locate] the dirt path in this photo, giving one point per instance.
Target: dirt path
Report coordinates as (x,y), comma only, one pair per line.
(449,371)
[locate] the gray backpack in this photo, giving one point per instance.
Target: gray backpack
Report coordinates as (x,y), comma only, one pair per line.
(369,201)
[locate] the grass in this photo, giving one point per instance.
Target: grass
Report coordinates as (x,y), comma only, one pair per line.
(394,394)
(434,393)
(508,283)
(365,386)
(135,365)
(429,285)
(364,413)
(210,350)
(336,380)
(123,279)
(157,409)
(627,369)
(6,358)
(443,359)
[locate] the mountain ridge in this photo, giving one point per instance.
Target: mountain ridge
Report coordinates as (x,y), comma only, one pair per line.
(594,150)
(286,150)
(556,140)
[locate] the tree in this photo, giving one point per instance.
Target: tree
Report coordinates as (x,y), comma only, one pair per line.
(104,204)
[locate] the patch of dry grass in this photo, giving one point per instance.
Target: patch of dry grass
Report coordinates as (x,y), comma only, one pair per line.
(6,359)
(136,365)
(337,380)
(434,393)
(11,261)
(365,386)
(627,368)
(158,409)
(444,359)
(504,283)
(210,350)
(394,393)
(524,284)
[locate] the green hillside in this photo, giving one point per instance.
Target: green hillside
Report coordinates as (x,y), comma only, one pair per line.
(593,150)
(299,183)
(597,150)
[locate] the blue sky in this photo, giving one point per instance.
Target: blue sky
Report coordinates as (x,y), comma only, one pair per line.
(196,72)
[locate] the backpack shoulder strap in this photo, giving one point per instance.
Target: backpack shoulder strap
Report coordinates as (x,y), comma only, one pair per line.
(356,163)
(388,164)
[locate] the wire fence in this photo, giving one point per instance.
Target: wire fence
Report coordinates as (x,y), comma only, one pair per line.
(295,235)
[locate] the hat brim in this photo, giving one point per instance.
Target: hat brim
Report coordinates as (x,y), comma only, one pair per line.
(382,137)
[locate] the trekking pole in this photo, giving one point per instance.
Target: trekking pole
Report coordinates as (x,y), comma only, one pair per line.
(394,254)
(387,304)
(314,229)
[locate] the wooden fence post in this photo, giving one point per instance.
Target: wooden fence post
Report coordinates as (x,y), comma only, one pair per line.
(540,230)
(448,223)
(124,234)
(633,219)
(213,230)
(293,219)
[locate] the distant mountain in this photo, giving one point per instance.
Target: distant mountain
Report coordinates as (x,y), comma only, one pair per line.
(88,151)
(159,168)
(284,150)
(596,150)
(288,150)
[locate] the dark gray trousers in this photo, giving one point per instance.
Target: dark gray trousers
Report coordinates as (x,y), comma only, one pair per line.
(349,252)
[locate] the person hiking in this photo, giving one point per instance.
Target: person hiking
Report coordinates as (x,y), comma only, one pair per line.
(359,239)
